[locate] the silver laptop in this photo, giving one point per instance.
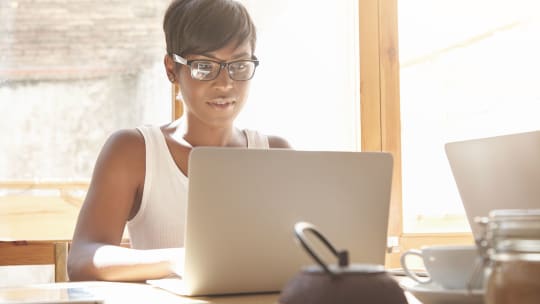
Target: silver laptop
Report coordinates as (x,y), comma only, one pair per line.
(243,204)
(501,172)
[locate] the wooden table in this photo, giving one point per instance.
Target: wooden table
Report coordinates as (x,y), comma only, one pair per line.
(117,292)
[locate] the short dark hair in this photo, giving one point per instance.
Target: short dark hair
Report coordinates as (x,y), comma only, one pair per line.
(200,26)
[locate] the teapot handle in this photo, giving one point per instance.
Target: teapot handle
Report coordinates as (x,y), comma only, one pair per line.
(343,255)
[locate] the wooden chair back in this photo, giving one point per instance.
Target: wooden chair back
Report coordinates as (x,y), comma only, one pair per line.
(36,253)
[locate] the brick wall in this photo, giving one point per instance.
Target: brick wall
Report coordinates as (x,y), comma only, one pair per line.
(71,73)
(65,39)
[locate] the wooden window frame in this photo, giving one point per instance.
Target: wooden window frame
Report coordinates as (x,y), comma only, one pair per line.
(380,115)
(176,104)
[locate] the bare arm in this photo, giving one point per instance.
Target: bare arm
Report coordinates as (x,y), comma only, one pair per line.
(115,188)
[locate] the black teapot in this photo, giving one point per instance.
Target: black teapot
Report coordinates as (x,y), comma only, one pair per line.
(341,283)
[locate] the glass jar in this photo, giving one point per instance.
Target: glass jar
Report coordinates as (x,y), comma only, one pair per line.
(511,246)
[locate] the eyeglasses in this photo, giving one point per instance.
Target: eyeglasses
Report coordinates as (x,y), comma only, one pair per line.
(206,70)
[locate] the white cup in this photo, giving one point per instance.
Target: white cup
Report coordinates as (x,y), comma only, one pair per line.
(449,266)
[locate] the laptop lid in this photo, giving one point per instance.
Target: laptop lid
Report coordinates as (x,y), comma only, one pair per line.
(501,172)
(243,204)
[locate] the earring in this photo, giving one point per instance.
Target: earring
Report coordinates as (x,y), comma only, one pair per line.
(171,77)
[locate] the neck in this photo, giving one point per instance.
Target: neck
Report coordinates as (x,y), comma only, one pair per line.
(198,133)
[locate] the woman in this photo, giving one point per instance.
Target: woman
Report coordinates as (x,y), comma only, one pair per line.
(140,177)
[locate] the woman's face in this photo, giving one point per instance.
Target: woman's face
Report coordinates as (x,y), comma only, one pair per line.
(216,102)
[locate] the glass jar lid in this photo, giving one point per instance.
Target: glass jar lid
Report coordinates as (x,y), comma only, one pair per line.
(514,223)
(513,234)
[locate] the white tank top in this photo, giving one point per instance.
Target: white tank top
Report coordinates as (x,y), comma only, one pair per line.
(160,221)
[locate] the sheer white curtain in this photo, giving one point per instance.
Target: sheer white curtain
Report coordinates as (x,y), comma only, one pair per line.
(306,87)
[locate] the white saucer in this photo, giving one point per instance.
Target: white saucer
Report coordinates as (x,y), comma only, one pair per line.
(434,294)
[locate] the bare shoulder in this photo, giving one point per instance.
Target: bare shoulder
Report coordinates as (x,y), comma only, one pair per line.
(125,139)
(278,142)
(124,151)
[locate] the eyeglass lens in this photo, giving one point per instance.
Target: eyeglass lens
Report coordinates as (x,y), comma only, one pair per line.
(209,70)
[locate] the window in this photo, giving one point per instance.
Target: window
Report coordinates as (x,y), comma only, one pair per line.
(468,70)
(73,73)
(306,87)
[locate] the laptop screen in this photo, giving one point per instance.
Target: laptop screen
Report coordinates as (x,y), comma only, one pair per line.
(501,172)
(243,204)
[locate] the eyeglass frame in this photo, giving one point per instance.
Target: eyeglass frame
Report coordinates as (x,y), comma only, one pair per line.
(222,64)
